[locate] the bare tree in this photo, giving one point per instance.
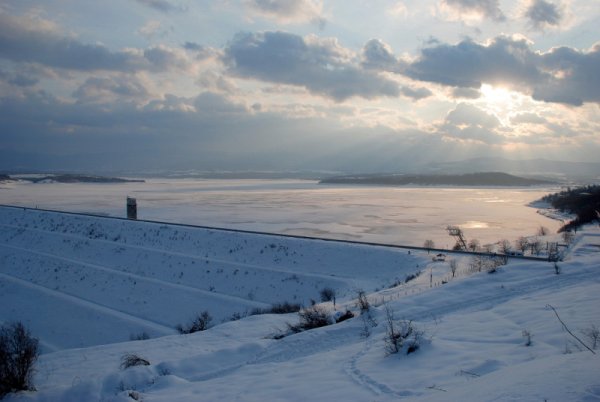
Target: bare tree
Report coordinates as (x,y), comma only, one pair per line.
(473,245)
(522,244)
(453,267)
(536,246)
(505,246)
(568,236)
(429,244)
(476,263)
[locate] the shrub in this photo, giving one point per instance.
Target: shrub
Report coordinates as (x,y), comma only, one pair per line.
(18,353)
(132,360)
(362,302)
(310,318)
(412,277)
(200,323)
(285,308)
(490,264)
(593,334)
(327,294)
(278,308)
(365,313)
(343,317)
(527,336)
(400,335)
(142,336)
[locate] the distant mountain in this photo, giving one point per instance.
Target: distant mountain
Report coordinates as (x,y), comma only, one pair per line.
(469,179)
(541,168)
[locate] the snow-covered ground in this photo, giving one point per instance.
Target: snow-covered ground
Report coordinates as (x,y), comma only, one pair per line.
(84,285)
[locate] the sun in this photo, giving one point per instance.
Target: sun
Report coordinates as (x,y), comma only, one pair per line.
(501,102)
(497,97)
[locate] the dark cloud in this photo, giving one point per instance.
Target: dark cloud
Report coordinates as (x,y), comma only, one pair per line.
(416,93)
(542,13)
(487,8)
(575,78)
(563,75)
(378,55)
(22,42)
(320,66)
(193,46)
(18,79)
(209,131)
(469,64)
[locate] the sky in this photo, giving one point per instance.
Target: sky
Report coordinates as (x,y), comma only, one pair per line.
(341,85)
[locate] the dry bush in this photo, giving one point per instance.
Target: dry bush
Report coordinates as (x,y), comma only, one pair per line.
(593,334)
(400,335)
(18,353)
(132,360)
(310,318)
(327,294)
(362,302)
(278,308)
(200,323)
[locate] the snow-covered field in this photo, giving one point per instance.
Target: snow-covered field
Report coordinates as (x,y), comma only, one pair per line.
(84,285)
(396,215)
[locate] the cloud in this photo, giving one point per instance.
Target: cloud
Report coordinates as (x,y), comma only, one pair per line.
(109,89)
(468,122)
(469,64)
(397,10)
(151,29)
(542,14)
(416,93)
(288,11)
(319,65)
(18,79)
(574,76)
(22,41)
(468,93)
(528,118)
(484,8)
(163,6)
(562,75)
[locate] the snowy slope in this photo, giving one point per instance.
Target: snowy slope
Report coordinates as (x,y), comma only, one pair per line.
(98,280)
(473,347)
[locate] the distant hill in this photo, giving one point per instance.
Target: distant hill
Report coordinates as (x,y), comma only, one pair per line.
(78,178)
(585,171)
(469,179)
